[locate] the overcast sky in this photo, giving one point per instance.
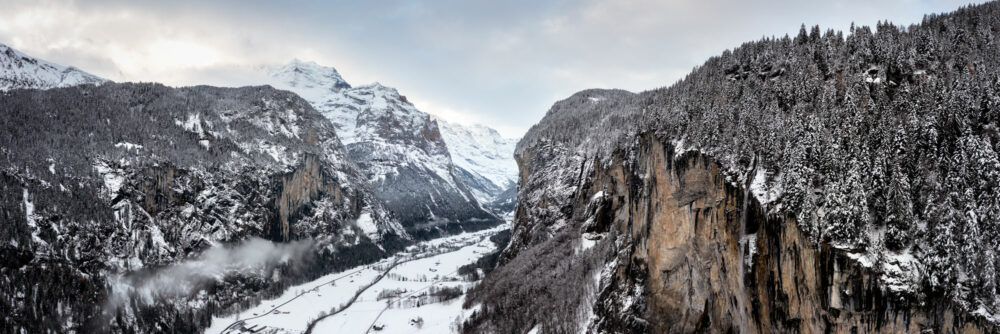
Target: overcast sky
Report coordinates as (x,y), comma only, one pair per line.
(501,63)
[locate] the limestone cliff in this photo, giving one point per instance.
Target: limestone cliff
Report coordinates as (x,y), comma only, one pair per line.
(297,189)
(693,251)
(710,260)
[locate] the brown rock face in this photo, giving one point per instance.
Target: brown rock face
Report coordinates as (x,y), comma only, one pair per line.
(702,256)
(295,190)
(157,188)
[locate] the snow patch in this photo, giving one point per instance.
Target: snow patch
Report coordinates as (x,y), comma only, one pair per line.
(113,179)
(764,193)
(588,240)
(750,240)
(128,146)
(29,214)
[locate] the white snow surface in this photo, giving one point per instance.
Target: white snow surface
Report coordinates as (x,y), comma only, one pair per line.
(420,266)
(311,81)
(29,214)
(19,70)
(113,179)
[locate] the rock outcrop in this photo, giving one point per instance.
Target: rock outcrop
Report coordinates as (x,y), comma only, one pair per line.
(695,252)
(709,260)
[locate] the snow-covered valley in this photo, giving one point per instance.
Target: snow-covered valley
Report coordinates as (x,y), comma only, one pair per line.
(400,294)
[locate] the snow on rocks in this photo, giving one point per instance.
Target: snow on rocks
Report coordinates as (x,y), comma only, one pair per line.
(113,178)
(29,214)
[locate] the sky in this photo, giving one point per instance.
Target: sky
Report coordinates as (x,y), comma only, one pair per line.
(496,63)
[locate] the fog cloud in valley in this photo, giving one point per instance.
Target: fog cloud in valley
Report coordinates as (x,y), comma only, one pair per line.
(253,257)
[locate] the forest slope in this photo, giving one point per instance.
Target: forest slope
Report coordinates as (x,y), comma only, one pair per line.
(880,144)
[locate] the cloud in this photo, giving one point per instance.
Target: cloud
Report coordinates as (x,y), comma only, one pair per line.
(499,63)
(252,257)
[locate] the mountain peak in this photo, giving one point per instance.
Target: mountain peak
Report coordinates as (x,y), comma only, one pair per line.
(19,70)
(311,80)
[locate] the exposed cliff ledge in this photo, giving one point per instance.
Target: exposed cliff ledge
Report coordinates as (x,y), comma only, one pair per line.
(695,253)
(297,189)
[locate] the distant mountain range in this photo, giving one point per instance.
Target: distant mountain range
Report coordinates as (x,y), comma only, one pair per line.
(483,157)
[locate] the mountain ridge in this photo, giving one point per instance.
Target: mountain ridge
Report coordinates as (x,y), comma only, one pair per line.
(18,70)
(485,157)
(399,148)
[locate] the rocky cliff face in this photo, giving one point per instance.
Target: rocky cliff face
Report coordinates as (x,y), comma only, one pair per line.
(874,191)
(701,256)
(692,251)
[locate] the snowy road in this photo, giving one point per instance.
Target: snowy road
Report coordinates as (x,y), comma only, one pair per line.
(353,294)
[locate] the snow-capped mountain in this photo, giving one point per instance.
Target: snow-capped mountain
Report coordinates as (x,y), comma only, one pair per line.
(110,183)
(399,148)
(484,158)
(18,70)
(308,79)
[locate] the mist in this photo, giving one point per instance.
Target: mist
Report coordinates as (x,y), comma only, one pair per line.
(254,257)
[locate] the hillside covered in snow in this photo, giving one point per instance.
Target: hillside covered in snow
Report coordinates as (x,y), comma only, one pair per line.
(399,149)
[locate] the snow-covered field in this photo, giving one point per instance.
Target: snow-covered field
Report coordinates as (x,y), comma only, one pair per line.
(420,268)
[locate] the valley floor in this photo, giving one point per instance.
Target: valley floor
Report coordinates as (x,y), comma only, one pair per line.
(352,296)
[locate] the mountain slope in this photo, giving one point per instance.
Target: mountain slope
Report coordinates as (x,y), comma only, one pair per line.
(485,159)
(398,148)
(115,183)
(18,70)
(821,183)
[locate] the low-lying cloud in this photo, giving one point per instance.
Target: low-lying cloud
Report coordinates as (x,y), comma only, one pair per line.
(252,257)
